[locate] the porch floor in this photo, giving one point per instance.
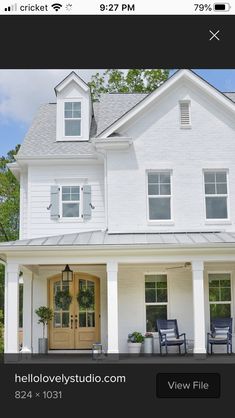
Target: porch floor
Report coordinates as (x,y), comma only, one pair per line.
(62,358)
(55,352)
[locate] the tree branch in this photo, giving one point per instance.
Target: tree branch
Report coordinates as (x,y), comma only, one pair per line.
(4,232)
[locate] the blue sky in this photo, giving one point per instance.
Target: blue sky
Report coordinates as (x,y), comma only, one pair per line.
(11,133)
(22,91)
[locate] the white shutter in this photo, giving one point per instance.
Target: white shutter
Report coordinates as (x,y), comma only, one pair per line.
(185,119)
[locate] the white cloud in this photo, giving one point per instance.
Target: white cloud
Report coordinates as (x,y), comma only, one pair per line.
(22,91)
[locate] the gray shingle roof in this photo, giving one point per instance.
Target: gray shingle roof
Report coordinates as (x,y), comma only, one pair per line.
(113,106)
(100,238)
(230,95)
(41,137)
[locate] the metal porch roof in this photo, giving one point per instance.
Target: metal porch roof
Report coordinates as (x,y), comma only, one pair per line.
(103,238)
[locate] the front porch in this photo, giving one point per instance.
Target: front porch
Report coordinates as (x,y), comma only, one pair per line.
(184,276)
(128,301)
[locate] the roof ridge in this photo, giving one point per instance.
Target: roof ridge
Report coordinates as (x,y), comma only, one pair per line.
(160,232)
(126,92)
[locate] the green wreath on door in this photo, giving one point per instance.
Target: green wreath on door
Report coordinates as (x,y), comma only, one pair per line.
(63,299)
(85,298)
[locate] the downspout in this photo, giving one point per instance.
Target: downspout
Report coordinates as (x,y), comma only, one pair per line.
(104,155)
(106,190)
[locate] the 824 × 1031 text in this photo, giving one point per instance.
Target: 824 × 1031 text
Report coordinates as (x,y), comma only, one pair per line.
(46,394)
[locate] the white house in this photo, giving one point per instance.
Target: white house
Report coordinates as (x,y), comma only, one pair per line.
(136,193)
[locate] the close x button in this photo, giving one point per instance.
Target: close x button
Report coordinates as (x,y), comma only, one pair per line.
(188,385)
(214,35)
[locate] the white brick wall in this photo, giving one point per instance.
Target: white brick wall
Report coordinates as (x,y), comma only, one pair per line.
(159,143)
(131,291)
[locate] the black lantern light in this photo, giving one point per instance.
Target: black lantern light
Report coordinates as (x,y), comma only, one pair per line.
(67,274)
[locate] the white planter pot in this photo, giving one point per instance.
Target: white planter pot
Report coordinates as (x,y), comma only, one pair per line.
(148,345)
(134,348)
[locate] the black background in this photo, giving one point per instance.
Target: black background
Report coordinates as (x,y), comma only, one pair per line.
(116,42)
(137,396)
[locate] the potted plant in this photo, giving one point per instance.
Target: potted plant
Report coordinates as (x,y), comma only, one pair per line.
(148,343)
(45,315)
(134,342)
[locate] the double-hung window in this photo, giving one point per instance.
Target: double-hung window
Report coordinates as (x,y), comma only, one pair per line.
(220,295)
(71,201)
(155,299)
(216,194)
(72,118)
(159,195)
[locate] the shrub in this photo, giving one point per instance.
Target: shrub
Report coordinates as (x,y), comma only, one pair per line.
(135,337)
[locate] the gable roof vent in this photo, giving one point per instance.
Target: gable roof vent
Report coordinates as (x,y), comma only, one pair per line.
(185,119)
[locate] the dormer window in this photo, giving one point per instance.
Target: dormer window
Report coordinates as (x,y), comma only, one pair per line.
(73,109)
(72,118)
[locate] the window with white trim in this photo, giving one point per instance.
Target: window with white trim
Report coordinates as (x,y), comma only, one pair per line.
(185,116)
(155,299)
(216,194)
(159,195)
(70,201)
(220,295)
(72,118)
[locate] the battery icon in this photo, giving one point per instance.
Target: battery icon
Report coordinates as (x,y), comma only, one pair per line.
(221,7)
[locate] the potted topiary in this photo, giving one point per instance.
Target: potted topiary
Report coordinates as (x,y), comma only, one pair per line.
(148,343)
(134,342)
(45,315)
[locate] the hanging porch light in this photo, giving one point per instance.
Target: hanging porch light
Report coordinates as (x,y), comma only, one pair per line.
(67,274)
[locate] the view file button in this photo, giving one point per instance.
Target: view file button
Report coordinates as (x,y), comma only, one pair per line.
(188,385)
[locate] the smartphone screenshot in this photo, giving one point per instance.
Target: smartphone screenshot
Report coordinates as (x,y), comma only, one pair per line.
(117,207)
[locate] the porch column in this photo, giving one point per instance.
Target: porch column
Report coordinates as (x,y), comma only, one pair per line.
(112,295)
(198,307)
(11,327)
(27,311)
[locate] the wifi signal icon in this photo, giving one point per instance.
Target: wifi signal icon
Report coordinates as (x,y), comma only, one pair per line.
(56,6)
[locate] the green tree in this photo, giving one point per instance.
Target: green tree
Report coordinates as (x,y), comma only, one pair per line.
(130,81)
(9,209)
(9,199)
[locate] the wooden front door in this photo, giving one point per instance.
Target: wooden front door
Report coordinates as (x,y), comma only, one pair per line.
(74,325)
